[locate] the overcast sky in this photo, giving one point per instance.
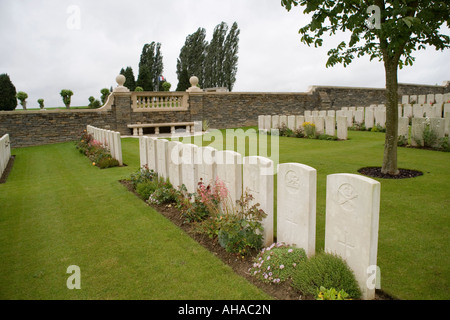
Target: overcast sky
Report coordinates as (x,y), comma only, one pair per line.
(49,45)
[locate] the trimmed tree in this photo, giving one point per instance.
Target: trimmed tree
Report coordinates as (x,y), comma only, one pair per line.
(385,30)
(66,95)
(41,103)
(105,93)
(22,96)
(8,92)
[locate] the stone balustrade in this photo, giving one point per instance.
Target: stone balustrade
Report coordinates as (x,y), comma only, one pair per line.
(159,101)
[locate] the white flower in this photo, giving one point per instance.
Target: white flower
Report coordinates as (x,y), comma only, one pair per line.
(282,266)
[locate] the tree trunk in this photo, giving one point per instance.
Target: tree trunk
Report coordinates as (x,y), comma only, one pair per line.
(390,143)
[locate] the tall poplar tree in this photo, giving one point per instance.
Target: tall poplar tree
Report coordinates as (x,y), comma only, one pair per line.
(192,59)
(231,47)
(150,67)
(215,55)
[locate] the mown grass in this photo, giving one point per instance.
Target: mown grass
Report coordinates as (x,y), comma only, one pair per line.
(58,210)
(414,231)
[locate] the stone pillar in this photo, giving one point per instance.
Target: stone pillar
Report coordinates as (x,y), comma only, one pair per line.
(122,106)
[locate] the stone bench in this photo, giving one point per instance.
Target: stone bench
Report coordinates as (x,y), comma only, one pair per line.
(138,129)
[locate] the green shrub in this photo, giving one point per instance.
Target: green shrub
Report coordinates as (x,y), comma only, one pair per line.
(164,192)
(430,137)
(107,162)
(8,99)
(146,189)
(331,294)
(327,137)
(444,144)
(277,263)
(142,175)
(402,141)
(327,270)
(309,129)
(94,150)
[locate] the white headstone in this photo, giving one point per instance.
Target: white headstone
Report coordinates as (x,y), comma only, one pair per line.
(257,182)
(417,127)
(351,228)
(422,99)
(267,122)
(291,122)
(283,121)
(439,98)
(330,125)
(319,122)
(437,110)
(296,206)
(260,123)
(417,111)
(403,127)
(299,120)
(359,116)
(380,117)
(151,154)
(161,155)
(206,168)
(174,154)
(275,122)
(405,99)
(143,151)
(188,167)
(437,125)
(341,128)
(407,111)
(229,170)
(369,118)
(430,98)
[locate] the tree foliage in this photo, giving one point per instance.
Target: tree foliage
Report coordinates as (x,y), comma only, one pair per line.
(22,96)
(8,99)
(192,59)
(66,95)
(389,31)
(150,67)
(213,63)
(105,93)
(130,81)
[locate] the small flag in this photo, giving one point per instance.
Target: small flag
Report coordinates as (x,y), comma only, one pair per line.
(161,78)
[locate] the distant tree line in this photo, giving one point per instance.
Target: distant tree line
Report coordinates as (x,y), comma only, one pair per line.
(214,63)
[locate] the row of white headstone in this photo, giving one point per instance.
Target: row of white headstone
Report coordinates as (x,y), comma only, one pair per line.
(5,152)
(324,122)
(437,98)
(352,201)
(109,139)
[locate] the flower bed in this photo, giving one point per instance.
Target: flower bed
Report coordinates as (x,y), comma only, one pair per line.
(95,151)
(232,232)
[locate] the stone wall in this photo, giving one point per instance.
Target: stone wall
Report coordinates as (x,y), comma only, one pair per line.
(238,109)
(221,109)
(30,128)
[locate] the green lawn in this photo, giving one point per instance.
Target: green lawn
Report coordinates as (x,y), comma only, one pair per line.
(59,210)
